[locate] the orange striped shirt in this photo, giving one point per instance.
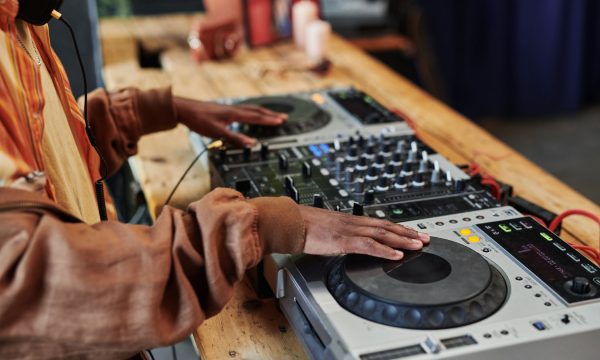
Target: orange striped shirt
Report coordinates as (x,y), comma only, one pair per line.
(22,102)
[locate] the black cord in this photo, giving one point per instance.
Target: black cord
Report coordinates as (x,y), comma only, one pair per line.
(88,129)
(151,354)
(174,352)
(184,175)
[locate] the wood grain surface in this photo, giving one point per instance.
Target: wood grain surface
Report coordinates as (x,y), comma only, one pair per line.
(243,332)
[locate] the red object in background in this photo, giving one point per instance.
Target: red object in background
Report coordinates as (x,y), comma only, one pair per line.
(260,24)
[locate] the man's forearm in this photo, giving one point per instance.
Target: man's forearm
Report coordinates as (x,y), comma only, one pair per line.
(110,290)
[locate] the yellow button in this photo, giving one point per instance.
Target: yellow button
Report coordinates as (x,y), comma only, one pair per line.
(465,232)
(473,239)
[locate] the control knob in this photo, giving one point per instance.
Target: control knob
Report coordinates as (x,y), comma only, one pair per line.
(372,174)
(436,176)
(264,151)
(459,185)
(401,183)
(382,184)
(243,185)
(369,197)
(362,164)
(379,161)
(396,158)
(306,170)
(283,162)
(318,201)
(418,180)
(358,209)
(389,171)
(580,285)
(406,169)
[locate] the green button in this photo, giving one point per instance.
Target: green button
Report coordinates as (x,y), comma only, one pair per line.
(546,236)
(397,212)
(505,228)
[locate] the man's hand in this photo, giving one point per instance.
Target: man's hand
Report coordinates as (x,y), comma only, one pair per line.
(215,37)
(212,120)
(333,233)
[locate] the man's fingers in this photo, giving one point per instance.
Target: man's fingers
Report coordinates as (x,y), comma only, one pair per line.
(264,111)
(368,246)
(254,117)
(389,226)
(239,139)
(387,237)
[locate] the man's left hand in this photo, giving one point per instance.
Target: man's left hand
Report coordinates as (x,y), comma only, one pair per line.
(213,120)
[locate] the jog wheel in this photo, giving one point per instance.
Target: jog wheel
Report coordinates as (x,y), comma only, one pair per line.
(303,116)
(443,286)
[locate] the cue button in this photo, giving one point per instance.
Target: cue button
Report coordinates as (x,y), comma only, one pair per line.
(465,232)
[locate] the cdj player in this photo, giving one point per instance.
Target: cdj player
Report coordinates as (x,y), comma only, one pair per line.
(491,285)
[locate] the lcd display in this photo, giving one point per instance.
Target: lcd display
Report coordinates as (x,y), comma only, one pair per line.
(543,253)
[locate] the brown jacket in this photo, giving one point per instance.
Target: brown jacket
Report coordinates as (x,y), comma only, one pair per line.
(109,290)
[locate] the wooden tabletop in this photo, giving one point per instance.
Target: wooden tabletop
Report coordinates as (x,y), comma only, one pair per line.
(250,328)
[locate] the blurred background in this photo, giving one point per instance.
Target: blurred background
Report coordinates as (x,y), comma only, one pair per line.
(528,71)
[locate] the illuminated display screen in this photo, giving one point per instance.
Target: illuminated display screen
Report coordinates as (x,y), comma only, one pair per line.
(363,108)
(544,253)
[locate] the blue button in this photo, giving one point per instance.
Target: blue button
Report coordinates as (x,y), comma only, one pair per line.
(539,325)
(315,150)
(324,148)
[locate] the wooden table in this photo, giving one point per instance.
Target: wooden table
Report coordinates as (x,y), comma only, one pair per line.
(249,328)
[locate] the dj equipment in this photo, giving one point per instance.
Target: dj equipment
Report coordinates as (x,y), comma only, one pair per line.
(342,150)
(492,283)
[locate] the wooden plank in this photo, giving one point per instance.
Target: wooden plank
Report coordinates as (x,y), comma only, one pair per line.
(248,328)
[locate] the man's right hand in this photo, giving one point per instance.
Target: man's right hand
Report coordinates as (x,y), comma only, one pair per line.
(334,233)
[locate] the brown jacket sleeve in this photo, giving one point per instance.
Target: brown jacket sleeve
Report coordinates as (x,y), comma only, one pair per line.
(120,118)
(111,289)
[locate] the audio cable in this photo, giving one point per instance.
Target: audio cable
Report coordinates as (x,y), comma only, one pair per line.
(99,185)
(213,145)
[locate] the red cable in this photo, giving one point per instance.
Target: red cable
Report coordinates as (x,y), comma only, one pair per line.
(593,252)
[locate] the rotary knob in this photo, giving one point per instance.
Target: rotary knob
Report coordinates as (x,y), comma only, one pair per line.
(369,197)
(580,285)
(362,163)
(406,169)
(352,154)
(401,183)
(396,158)
(383,184)
(370,152)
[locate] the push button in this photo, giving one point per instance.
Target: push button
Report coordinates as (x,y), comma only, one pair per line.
(473,239)
(465,232)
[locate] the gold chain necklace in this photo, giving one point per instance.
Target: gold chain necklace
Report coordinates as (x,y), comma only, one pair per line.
(36,59)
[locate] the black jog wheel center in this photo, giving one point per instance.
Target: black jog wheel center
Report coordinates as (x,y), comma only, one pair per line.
(443,286)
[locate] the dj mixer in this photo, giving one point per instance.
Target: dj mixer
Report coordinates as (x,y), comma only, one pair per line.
(492,284)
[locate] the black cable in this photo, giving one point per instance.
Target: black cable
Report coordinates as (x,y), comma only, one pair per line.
(88,129)
(183,176)
(150,353)
(174,352)
(213,145)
